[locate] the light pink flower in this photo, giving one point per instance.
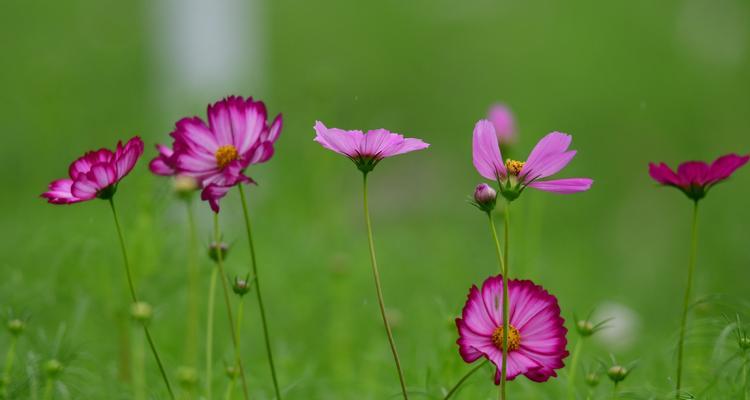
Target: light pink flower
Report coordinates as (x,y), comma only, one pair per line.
(95,174)
(216,154)
(695,178)
(366,149)
(504,122)
(548,157)
(536,338)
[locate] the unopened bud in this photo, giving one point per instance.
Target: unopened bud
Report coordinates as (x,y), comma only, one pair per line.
(53,368)
(232,372)
(185,186)
(187,376)
(617,373)
(485,197)
(744,343)
(585,328)
(214,249)
(15,327)
(241,286)
(592,379)
(141,311)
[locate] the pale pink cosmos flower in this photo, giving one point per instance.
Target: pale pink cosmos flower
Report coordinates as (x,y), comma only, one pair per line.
(695,178)
(366,149)
(164,163)
(95,174)
(504,122)
(536,337)
(217,153)
(549,156)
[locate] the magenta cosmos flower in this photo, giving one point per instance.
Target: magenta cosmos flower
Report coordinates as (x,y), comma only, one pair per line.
(95,174)
(536,337)
(217,153)
(366,149)
(548,157)
(695,178)
(504,123)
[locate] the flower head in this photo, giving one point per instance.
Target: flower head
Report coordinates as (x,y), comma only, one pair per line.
(505,125)
(217,153)
(366,149)
(695,178)
(548,157)
(95,174)
(485,197)
(536,337)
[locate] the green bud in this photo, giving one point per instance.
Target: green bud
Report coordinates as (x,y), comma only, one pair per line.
(592,379)
(141,312)
(241,286)
(744,343)
(187,377)
(232,372)
(617,373)
(585,328)
(184,186)
(16,326)
(53,368)
(213,251)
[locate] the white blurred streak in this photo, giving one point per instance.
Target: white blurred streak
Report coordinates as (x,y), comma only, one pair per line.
(715,32)
(622,331)
(205,49)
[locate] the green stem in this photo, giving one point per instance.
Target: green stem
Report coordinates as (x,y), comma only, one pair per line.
(191,339)
(48,389)
(230,385)
(506,305)
(614,391)
(574,369)
(139,371)
(135,298)
(744,377)
(503,263)
(5,384)
(686,303)
(264,323)
(463,379)
(379,290)
(210,331)
(225,286)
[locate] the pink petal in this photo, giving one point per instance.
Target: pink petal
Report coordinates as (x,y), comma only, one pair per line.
(193,133)
(377,141)
(692,173)
(406,146)
(552,144)
(84,188)
(550,166)
(663,174)
(60,192)
(275,129)
(125,160)
(504,123)
(724,166)
(340,141)
(563,186)
(83,164)
(486,152)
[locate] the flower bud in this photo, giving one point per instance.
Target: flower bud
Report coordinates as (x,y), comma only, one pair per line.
(744,343)
(485,197)
(232,372)
(16,326)
(187,376)
(141,312)
(617,373)
(241,286)
(592,379)
(53,368)
(585,328)
(214,249)
(184,186)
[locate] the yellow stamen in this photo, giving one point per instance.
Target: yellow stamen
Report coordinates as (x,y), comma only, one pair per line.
(514,338)
(226,154)
(514,167)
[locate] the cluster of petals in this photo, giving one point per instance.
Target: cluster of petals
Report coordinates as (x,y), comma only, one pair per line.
(216,153)
(95,174)
(366,149)
(695,178)
(549,156)
(534,317)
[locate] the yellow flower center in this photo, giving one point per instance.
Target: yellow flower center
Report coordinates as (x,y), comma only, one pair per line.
(514,338)
(514,167)
(226,154)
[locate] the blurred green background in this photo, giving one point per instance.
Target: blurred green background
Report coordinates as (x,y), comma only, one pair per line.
(633,82)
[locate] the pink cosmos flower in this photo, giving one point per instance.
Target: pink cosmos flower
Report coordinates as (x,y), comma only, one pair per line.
(695,178)
(536,341)
(366,149)
(216,154)
(548,157)
(504,122)
(95,174)
(164,163)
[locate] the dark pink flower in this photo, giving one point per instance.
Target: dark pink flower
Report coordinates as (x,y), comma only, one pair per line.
(366,149)
(164,163)
(548,157)
(695,178)
(536,338)
(504,122)
(95,174)
(217,153)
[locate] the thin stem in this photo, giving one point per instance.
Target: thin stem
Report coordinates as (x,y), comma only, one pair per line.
(5,384)
(225,286)
(614,391)
(230,385)
(379,290)
(463,379)
(210,331)
(191,339)
(135,298)
(744,377)
(574,369)
(48,389)
(506,306)
(502,261)
(139,370)
(253,259)
(686,303)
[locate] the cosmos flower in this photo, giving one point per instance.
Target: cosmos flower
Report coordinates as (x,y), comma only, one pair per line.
(95,174)
(164,163)
(536,337)
(216,154)
(548,157)
(695,178)
(504,122)
(366,149)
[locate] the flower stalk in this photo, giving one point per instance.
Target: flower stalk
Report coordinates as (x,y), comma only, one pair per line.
(210,331)
(379,289)
(191,339)
(502,261)
(686,302)
(9,357)
(463,379)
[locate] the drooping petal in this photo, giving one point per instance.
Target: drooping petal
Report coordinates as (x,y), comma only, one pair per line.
(163,164)
(724,166)
(275,130)
(486,152)
(663,174)
(553,144)
(563,186)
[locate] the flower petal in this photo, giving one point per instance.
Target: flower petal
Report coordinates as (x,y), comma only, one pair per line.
(486,152)
(724,166)
(341,141)
(552,144)
(60,192)
(125,160)
(692,173)
(550,166)
(406,146)
(663,174)
(563,186)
